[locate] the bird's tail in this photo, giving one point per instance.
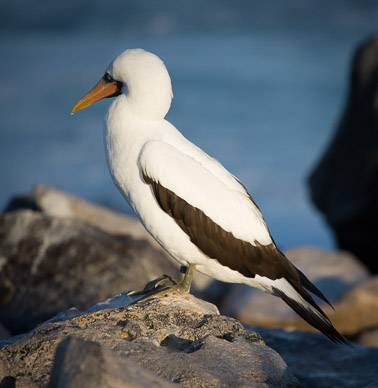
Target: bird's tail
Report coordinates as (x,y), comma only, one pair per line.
(314,315)
(294,291)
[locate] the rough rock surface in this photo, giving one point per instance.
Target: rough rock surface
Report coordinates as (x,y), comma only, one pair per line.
(344,185)
(345,282)
(98,367)
(177,337)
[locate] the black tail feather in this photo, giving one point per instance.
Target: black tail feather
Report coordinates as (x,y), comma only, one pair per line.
(306,283)
(319,321)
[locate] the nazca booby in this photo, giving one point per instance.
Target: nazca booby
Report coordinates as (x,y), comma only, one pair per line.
(196,210)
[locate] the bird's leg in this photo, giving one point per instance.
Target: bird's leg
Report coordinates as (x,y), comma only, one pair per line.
(182,284)
(186,277)
(166,284)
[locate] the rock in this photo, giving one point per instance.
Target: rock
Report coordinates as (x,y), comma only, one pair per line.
(58,204)
(98,367)
(48,264)
(368,337)
(4,333)
(317,363)
(344,184)
(344,281)
(177,337)
(358,310)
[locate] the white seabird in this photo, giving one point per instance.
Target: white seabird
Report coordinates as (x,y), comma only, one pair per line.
(197,211)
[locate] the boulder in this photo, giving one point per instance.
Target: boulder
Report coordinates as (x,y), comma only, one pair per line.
(344,184)
(50,264)
(176,338)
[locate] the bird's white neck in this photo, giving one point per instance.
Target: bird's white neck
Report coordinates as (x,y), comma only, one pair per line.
(125,133)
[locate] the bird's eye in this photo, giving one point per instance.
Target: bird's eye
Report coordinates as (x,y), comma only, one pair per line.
(108,77)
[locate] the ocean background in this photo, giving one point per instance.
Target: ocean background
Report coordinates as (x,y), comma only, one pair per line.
(257,85)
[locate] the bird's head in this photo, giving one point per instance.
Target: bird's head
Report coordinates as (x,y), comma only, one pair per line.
(139,75)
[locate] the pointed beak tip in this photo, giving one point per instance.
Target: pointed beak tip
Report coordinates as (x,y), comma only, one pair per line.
(77,107)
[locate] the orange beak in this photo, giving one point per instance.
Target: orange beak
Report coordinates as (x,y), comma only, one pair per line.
(104,88)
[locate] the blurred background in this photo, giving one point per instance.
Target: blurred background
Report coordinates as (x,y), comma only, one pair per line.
(257,85)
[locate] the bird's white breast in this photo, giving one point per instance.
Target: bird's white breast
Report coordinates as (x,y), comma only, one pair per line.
(125,136)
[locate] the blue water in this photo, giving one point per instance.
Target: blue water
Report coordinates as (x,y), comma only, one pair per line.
(258,86)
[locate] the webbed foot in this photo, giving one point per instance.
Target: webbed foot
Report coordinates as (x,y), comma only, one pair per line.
(166,284)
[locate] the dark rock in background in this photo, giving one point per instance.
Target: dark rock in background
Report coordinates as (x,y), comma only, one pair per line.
(344,185)
(178,337)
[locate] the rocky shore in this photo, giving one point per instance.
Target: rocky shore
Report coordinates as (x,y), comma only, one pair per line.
(62,263)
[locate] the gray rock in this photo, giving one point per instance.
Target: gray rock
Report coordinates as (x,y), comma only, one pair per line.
(344,184)
(80,364)
(344,281)
(317,363)
(48,264)
(58,204)
(177,337)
